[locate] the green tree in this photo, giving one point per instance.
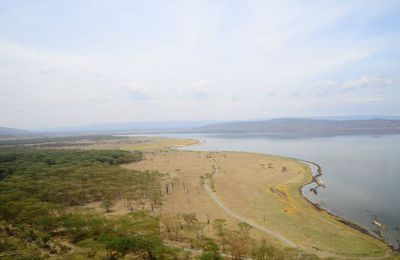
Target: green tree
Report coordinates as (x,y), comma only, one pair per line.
(219,226)
(239,241)
(191,225)
(208,245)
(172,226)
(117,246)
(107,203)
(244,230)
(265,251)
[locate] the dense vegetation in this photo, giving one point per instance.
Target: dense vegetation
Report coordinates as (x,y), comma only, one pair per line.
(58,141)
(38,188)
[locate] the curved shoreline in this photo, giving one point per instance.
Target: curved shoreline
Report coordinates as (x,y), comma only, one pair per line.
(321,208)
(318,207)
(317,173)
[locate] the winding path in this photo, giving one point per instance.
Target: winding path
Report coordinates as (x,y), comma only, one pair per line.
(288,242)
(217,201)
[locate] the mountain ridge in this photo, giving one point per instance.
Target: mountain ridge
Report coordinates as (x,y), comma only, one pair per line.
(13,132)
(306,126)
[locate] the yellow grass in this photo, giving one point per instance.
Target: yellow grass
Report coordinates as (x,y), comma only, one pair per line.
(184,168)
(256,187)
(159,143)
(142,143)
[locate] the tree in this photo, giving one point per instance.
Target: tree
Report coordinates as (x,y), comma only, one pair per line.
(107,203)
(192,225)
(219,226)
(264,251)
(208,245)
(172,226)
(239,241)
(150,247)
(155,198)
(147,246)
(116,246)
(132,197)
(236,245)
(244,229)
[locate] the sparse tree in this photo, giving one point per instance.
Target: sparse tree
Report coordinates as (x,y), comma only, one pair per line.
(172,226)
(263,251)
(107,203)
(208,244)
(219,226)
(239,241)
(244,230)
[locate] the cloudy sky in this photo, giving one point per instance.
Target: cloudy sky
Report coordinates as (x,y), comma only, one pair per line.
(70,63)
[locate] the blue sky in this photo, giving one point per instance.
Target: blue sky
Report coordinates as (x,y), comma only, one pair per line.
(68,63)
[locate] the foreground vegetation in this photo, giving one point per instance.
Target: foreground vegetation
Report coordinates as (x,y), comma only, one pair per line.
(39,188)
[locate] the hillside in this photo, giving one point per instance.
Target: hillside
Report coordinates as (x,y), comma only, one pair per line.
(307,126)
(10,132)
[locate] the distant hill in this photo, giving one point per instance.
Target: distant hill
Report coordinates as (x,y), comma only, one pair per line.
(10,132)
(128,126)
(292,126)
(306,126)
(356,117)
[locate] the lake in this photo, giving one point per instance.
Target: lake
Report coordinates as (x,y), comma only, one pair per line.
(361,173)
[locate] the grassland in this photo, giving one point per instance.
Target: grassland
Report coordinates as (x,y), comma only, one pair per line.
(100,142)
(264,189)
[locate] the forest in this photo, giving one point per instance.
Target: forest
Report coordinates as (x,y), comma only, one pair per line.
(40,195)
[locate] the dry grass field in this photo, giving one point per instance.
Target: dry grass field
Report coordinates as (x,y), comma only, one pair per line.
(188,195)
(142,143)
(261,188)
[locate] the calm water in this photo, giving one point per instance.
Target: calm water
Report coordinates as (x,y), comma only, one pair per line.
(361,173)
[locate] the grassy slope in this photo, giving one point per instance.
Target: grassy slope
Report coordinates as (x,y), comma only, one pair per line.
(275,195)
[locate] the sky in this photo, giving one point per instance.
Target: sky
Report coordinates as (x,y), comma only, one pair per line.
(78,62)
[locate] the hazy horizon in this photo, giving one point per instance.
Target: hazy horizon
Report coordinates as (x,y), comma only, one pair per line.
(77,63)
(185,124)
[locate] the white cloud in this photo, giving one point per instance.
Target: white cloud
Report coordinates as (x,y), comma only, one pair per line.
(368,82)
(199,90)
(365,100)
(136,91)
(95,98)
(44,62)
(123,92)
(371,84)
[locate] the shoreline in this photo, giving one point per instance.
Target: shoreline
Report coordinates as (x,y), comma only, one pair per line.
(321,208)
(315,205)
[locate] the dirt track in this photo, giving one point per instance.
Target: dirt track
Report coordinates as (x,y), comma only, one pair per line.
(217,201)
